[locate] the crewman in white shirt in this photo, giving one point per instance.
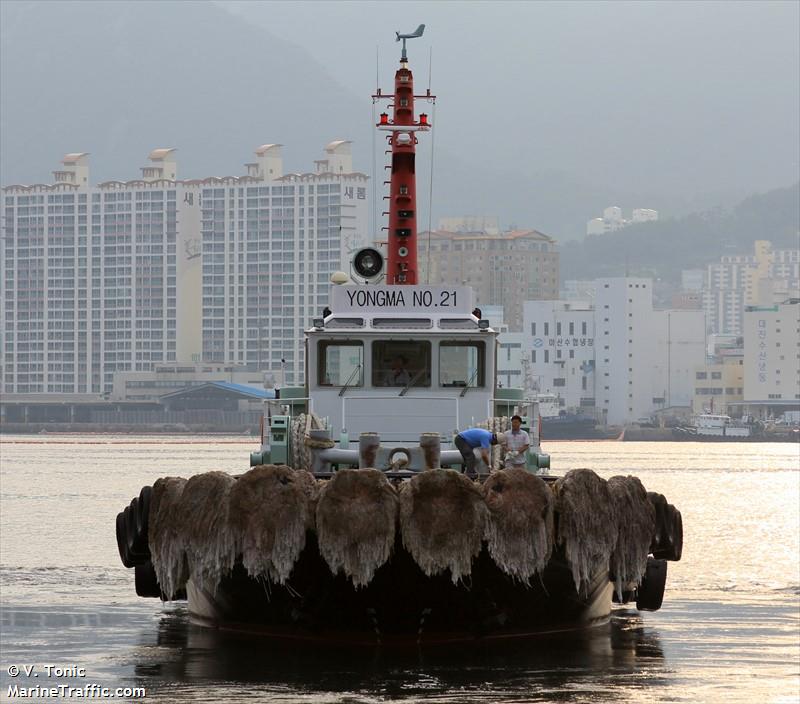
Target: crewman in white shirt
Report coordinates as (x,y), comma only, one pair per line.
(517,443)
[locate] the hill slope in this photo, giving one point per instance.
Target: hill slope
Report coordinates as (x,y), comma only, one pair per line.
(662,249)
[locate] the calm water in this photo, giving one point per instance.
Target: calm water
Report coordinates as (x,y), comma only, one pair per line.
(729,630)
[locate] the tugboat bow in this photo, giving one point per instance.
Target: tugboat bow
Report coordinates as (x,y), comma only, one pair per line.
(317,539)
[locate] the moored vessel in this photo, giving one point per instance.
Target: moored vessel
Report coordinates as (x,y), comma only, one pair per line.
(355,523)
(718,427)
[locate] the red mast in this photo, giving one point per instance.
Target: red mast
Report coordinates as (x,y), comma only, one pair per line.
(401,266)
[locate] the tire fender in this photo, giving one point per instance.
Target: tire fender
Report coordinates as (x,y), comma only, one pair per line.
(650,594)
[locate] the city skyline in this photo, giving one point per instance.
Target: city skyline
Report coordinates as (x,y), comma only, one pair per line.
(127,277)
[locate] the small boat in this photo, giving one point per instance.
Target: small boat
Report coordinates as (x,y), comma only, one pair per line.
(717,426)
(383,539)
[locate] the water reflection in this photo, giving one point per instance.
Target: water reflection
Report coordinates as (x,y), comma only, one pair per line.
(187,661)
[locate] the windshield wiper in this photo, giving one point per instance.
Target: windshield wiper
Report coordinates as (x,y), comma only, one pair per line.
(349,379)
(471,379)
(411,381)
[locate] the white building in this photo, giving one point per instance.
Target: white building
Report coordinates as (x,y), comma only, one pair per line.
(597,226)
(92,276)
(616,356)
(625,348)
(772,354)
(645,358)
(269,249)
(613,220)
(123,276)
(613,215)
(560,339)
(510,367)
(680,343)
(764,278)
(644,215)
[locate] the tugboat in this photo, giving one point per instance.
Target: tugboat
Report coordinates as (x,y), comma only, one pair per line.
(383,539)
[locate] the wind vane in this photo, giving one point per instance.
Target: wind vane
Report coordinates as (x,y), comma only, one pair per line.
(416,33)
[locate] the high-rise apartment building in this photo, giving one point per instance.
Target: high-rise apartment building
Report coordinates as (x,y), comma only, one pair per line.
(505,269)
(766,277)
(90,280)
(125,275)
(269,250)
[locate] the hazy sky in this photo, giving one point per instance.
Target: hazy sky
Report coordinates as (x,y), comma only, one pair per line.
(546,112)
(675,96)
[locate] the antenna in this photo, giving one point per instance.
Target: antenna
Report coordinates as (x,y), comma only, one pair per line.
(430,68)
(374,223)
(416,33)
(430,193)
(430,200)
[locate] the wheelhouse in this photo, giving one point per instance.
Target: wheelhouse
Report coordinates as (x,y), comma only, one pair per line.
(406,367)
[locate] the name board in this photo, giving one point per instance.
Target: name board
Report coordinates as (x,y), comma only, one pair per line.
(431,300)
(762,351)
(539,342)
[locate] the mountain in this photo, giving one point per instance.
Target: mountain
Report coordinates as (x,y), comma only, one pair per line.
(662,249)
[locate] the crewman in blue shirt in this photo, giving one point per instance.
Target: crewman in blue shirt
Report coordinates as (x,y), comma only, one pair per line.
(466,442)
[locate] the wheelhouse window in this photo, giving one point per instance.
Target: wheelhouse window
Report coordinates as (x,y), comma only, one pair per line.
(340,363)
(401,363)
(462,364)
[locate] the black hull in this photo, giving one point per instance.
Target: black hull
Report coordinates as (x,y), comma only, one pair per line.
(401,606)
